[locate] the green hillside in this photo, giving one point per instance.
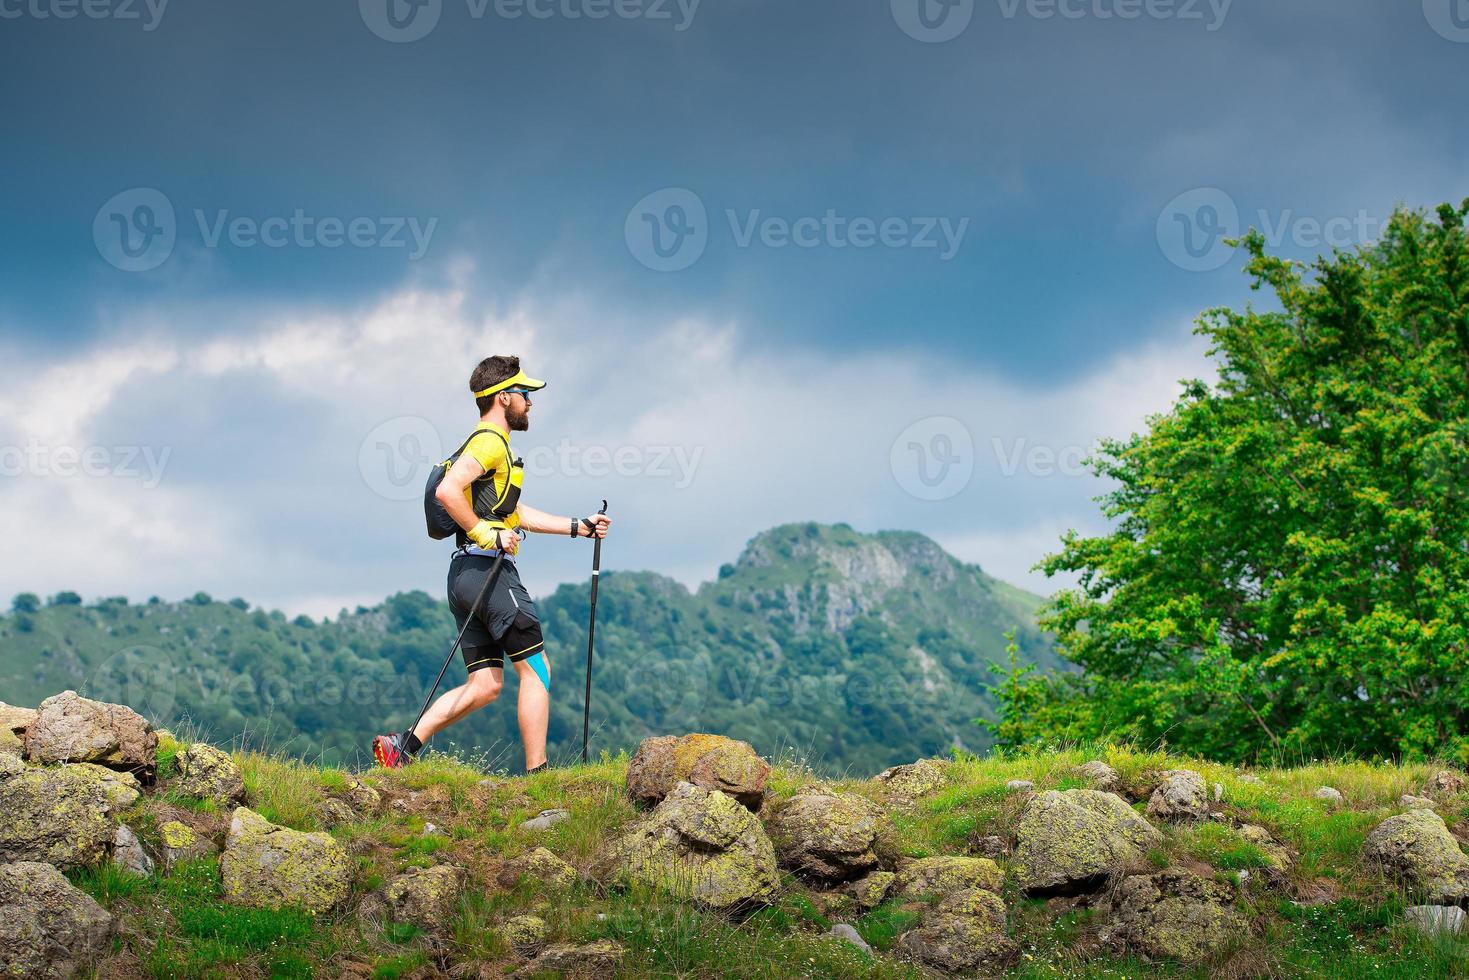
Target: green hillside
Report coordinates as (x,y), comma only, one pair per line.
(857,651)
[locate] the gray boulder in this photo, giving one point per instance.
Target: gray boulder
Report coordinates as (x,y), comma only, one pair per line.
(48,928)
(965,931)
(128,853)
(1103,777)
(711,762)
(828,836)
(1070,842)
(207,773)
(71,728)
(1417,849)
(272,866)
(55,814)
(1174,914)
(1180,796)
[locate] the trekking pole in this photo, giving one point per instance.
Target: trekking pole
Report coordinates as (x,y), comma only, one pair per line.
(586,720)
(484,590)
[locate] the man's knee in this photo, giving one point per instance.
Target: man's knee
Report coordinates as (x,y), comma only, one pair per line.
(484,687)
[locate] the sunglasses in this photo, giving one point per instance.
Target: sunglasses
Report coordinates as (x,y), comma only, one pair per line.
(519,391)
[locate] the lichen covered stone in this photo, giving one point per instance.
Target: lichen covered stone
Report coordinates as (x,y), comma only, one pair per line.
(710,762)
(271,866)
(526,934)
(1175,915)
(48,928)
(1180,795)
(870,890)
(181,843)
(55,814)
(1417,849)
(426,897)
(71,728)
(828,836)
(208,773)
(595,959)
(697,844)
(965,931)
(904,785)
(1069,842)
(945,873)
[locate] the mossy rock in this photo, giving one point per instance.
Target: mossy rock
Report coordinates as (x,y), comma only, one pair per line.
(1175,915)
(274,867)
(57,815)
(426,897)
(208,773)
(525,934)
(828,836)
(1417,849)
(711,762)
(180,842)
(965,931)
(1070,842)
(945,873)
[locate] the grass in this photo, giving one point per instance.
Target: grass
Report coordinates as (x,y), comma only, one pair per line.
(178,925)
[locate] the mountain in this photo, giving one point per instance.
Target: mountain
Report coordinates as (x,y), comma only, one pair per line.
(849,651)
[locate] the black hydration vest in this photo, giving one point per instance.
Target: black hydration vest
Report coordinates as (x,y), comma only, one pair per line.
(491,503)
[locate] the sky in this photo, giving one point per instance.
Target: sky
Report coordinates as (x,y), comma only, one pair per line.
(897,263)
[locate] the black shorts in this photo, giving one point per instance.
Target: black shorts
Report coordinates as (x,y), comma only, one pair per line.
(504,626)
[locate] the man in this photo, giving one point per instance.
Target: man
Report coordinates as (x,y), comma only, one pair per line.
(481,492)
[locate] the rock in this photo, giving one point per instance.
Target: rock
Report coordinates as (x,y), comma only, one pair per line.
(1069,843)
(870,891)
(332,811)
(1274,852)
(1218,792)
(1020,785)
(1415,802)
(1174,914)
(595,959)
(430,830)
(1103,777)
(847,932)
(1180,796)
(48,928)
(426,897)
(207,773)
(828,836)
(1328,794)
(71,728)
(699,844)
(992,846)
(904,784)
(526,934)
(546,867)
(711,762)
(1417,848)
(181,843)
(545,820)
(363,798)
(1250,779)
(122,788)
(11,744)
(963,932)
(128,853)
(16,720)
(1435,920)
(1443,783)
(271,866)
(55,814)
(10,765)
(944,874)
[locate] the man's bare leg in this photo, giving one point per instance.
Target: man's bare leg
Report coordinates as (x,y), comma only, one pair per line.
(482,687)
(534,707)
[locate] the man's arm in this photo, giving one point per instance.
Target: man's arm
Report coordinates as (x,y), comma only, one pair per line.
(451,494)
(544,523)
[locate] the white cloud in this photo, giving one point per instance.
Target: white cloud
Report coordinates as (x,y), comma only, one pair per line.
(266,495)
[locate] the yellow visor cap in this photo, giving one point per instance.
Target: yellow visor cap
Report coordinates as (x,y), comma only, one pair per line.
(521,380)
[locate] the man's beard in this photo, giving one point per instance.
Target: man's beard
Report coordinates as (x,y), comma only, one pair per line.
(518,421)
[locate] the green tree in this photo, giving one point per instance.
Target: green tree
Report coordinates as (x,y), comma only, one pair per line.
(25,602)
(1290,548)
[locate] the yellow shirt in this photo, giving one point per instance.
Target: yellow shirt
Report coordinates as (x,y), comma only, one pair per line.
(490,450)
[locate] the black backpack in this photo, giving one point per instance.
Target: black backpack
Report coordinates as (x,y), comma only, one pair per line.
(486,498)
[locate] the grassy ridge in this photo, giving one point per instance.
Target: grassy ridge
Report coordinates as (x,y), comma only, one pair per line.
(1329,916)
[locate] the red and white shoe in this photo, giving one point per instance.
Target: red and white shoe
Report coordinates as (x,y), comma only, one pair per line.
(389,752)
